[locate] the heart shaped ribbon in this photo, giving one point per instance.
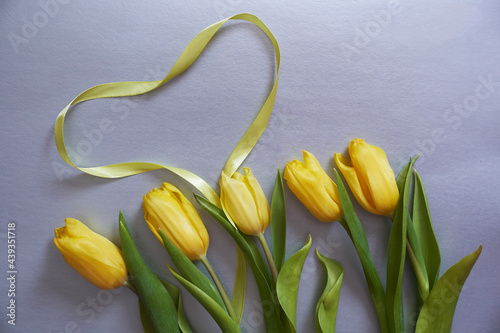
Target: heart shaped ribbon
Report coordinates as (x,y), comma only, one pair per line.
(188,56)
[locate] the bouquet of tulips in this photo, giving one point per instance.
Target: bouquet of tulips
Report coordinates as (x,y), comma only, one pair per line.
(244,212)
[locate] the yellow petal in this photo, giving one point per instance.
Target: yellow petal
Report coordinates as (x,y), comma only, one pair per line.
(355,183)
(370,177)
(312,186)
(239,204)
(92,255)
(263,209)
(190,213)
(169,210)
(244,202)
(372,165)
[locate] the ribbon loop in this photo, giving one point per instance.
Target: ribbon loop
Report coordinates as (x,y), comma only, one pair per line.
(133,88)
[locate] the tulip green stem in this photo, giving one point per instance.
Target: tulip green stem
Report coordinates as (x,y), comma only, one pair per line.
(222,291)
(419,268)
(131,286)
(269,257)
(422,280)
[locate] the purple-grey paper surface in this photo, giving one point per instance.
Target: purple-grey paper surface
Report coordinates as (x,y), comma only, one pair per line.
(413,77)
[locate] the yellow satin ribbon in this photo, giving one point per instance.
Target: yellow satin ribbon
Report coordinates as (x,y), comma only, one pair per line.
(188,56)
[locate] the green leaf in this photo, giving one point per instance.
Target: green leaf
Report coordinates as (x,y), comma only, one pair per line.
(189,271)
(224,321)
(425,232)
(176,297)
(183,322)
(278,222)
(238,300)
(157,302)
(353,227)
(328,303)
(402,176)
(256,263)
(396,254)
(287,286)
(414,251)
(436,315)
(146,323)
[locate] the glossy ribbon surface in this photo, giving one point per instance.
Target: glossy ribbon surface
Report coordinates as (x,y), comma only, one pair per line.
(122,89)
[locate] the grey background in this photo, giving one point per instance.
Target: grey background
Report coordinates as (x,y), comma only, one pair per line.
(400,81)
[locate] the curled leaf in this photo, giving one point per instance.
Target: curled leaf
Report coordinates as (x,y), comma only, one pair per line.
(287,286)
(326,309)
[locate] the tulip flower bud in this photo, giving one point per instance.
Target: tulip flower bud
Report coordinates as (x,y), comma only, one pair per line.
(169,210)
(370,177)
(244,201)
(92,255)
(312,186)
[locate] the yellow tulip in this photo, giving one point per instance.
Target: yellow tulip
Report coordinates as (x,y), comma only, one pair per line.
(169,210)
(370,177)
(244,201)
(92,255)
(312,186)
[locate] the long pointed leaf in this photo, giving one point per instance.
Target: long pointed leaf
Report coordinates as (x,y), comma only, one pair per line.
(402,176)
(240,281)
(225,322)
(176,297)
(287,286)
(326,309)
(157,302)
(425,232)
(147,326)
(278,222)
(396,254)
(190,272)
(436,315)
(174,293)
(355,230)
(413,248)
